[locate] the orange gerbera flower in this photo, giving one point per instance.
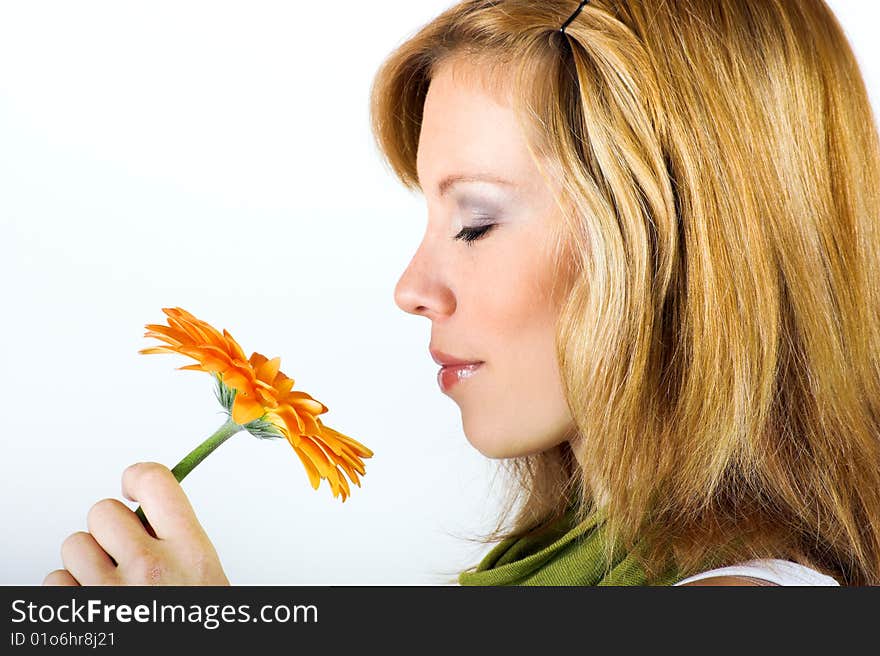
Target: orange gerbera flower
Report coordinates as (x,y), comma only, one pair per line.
(264,399)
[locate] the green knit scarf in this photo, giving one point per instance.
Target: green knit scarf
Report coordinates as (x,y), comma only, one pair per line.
(564,554)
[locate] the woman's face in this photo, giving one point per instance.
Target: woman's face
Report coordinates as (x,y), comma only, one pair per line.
(489,299)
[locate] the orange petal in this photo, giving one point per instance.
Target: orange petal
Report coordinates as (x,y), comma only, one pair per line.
(177,312)
(337,481)
(299,395)
(212,335)
(213,359)
(267,370)
(314,476)
(243,365)
(193,367)
(167,332)
(291,419)
(293,438)
(309,405)
(348,469)
(232,346)
(163,338)
(266,397)
(333,444)
(310,426)
(263,385)
(245,409)
(343,484)
(359,448)
(203,333)
(351,473)
(283,384)
(210,349)
(212,363)
(193,333)
(317,456)
(333,478)
(351,459)
(157,349)
(237,379)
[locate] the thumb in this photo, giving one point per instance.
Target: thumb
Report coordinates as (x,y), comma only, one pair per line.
(162,499)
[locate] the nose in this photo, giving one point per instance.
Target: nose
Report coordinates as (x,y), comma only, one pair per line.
(423,288)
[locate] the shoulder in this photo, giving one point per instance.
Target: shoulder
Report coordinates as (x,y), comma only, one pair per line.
(728,580)
(769,571)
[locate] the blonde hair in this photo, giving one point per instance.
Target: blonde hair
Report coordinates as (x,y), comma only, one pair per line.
(720,340)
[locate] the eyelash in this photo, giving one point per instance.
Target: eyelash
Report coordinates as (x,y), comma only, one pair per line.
(469,235)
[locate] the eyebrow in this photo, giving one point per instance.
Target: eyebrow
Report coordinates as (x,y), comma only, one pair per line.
(450,180)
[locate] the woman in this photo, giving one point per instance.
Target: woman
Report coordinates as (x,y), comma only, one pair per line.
(652,251)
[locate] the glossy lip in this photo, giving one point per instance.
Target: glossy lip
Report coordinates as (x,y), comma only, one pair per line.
(446,360)
(451,375)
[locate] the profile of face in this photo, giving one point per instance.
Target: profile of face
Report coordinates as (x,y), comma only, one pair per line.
(484,270)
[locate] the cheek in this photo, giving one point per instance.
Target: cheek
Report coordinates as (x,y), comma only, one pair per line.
(523,315)
(517,303)
(520,408)
(518,319)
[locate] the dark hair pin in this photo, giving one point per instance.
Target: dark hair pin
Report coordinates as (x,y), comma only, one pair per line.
(573,16)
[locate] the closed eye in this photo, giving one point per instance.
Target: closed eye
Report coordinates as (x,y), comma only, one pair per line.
(469,235)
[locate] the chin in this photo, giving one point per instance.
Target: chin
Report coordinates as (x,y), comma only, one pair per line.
(492,451)
(500,443)
(500,446)
(490,444)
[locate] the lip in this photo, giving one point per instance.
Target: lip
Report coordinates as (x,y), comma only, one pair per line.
(446,360)
(451,375)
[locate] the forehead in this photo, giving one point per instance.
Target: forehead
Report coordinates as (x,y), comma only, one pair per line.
(468,126)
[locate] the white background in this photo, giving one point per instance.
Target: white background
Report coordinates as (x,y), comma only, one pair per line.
(218,156)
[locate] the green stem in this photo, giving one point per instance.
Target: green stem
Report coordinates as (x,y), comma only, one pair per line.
(198,454)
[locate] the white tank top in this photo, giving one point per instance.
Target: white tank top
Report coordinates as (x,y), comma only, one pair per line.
(780,572)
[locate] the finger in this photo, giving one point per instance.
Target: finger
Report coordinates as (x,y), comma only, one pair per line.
(164,502)
(86,561)
(59,577)
(118,530)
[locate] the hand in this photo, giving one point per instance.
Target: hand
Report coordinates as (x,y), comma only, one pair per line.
(119,550)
